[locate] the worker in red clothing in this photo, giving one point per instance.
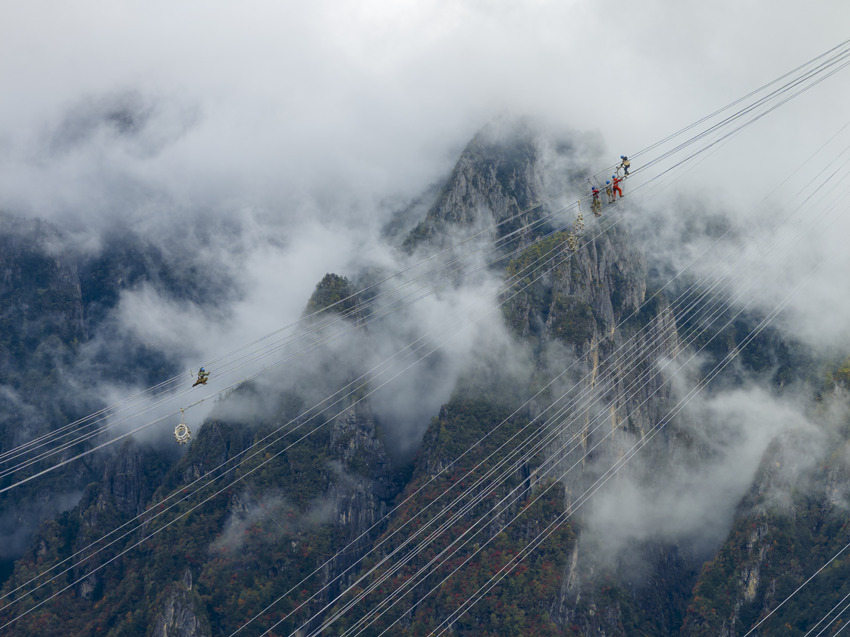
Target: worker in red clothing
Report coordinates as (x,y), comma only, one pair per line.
(596,205)
(616,187)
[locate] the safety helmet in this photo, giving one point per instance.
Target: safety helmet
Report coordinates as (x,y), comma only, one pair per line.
(622,156)
(202,369)
(613,176)
(607,182)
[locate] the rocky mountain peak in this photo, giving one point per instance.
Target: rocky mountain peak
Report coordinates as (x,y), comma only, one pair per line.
(498,176)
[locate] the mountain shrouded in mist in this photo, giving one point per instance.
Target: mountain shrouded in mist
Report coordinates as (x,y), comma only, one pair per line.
(514,355)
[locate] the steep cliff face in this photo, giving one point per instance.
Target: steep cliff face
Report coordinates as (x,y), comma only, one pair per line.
(793,522)
(577,297)
(58,343)
(179,610)
(498,177)
(41,328)
(277,531)
(585,314)
(40,296)
(367,482)
(126,482)
(573,308)
(55,298)
(486,186)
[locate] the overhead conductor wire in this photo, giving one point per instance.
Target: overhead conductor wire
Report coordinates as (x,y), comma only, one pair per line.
(762,325)
(263,449)
(560,194)
(343,331)
(461,480)
(489,488)
(112,410)
(402,370)
(769,318)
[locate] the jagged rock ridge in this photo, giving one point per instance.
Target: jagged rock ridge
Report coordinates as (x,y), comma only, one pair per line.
(295,507)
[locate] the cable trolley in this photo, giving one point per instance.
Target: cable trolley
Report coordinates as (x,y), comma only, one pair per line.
(182,434)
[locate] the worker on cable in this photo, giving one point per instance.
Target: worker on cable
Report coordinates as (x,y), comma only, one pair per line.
(203,375)
(624,164)
(609,192)
(616,186)
(596,205)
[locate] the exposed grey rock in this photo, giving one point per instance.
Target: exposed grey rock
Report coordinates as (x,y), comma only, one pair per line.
(497,179)
(180,615)
(363,481)
(124,477)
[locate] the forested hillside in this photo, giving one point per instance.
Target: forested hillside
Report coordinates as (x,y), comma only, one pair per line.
(554,439)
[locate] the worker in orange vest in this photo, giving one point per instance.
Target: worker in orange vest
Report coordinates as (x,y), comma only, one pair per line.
(616,187)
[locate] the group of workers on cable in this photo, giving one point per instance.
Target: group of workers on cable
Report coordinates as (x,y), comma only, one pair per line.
(612,187)
(182,433)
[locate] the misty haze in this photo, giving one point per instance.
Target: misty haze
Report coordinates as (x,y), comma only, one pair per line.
(424,318)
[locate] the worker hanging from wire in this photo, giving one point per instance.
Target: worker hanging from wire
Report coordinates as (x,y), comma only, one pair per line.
(624,164)
(203,376)
(609,192)
(596,205)
(616,187)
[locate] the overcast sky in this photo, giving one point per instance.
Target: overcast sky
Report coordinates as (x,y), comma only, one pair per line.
(320,116)
(306,123)
(266,102)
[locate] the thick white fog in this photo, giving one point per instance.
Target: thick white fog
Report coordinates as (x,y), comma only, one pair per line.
(269,143)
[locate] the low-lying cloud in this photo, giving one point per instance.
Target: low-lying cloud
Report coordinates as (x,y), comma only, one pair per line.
(689,497)
(266,144)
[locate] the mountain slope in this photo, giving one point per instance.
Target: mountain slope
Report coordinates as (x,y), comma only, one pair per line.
(313,517)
